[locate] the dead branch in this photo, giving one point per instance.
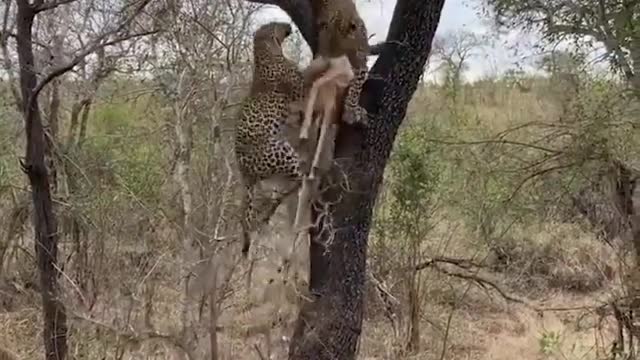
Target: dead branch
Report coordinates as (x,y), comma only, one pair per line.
(535,175)
(70,65)
(467,264)
(51,5)
(483,283)
(97,43)
(498,142)
(257,349)
(377,49)
(462,263)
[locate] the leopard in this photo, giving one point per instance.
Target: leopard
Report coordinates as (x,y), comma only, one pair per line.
(341,31)
(272,70)
(341,39)
(262,151)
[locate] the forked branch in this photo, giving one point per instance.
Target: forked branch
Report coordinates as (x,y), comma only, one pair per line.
(98,43)
(41,6)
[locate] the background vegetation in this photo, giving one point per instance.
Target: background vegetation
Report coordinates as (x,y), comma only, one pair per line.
(506,224)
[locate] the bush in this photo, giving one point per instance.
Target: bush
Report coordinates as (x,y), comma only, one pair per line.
(553,255)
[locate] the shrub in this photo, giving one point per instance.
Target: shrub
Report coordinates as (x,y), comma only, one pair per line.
(553,255)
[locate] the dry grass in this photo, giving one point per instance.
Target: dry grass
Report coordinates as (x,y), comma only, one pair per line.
(486,334)
(548,265)
(551,266)
(499,331)
(555,256)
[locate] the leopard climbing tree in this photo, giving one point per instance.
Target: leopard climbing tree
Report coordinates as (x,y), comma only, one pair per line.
(330,323)
(260,149)
(342,32)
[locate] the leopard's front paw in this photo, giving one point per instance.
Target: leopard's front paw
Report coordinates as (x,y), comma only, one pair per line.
(356,114)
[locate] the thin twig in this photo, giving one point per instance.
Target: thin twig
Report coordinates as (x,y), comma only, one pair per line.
(462,263)
(135,337)
(483,282)
(257,349)
(52,5)
(98,43)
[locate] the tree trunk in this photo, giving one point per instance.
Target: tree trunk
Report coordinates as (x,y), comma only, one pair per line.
(46,242)
(413,341)
(184,139)
(52,135)
(329,327)
(625,185)
(635,58)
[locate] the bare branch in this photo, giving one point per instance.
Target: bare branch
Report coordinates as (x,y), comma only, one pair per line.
(51,5)
(133,337)
(498,142)
(483,283)
(462,263)
(376,49)
(536,175)
(9,34)
(98,43)
(67,67)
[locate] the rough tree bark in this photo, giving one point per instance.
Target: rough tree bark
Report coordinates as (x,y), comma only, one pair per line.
(46,244)
(329,326)
(184,138)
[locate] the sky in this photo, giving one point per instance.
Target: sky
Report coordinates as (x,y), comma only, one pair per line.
(456,15)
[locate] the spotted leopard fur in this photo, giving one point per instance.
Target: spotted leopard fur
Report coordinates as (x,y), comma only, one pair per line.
(261,149)
(272,71)
(341,31)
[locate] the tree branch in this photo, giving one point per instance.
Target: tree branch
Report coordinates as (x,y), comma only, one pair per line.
(61,70)
(497,142)
(483,283)
(41,6)
(132,337)
(376,49)
(461,263)
(563,29)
